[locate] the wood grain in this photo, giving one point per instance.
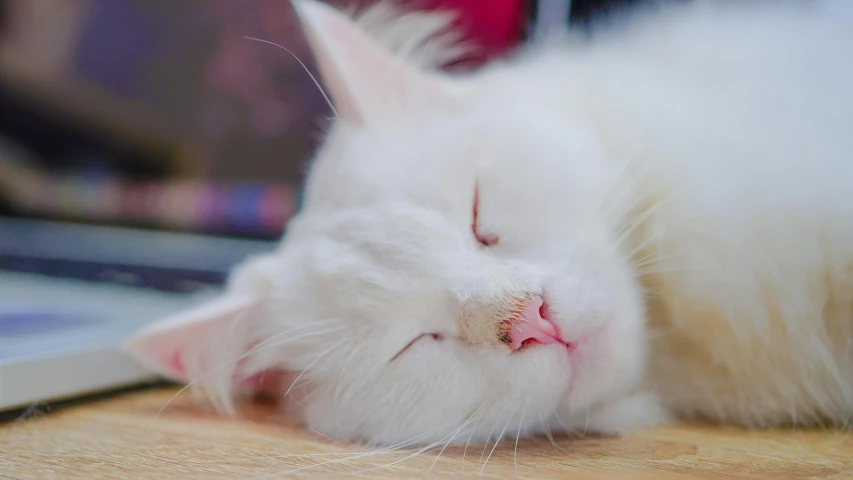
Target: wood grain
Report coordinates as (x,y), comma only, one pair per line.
(124,437)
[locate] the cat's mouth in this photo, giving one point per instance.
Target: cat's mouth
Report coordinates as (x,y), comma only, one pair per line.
(528,344)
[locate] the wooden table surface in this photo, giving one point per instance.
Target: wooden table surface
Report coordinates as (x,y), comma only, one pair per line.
(124,437)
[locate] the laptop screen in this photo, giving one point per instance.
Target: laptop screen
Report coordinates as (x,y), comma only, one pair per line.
(155,113)
(161,114)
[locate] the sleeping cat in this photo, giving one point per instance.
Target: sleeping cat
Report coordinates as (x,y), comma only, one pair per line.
(595,235)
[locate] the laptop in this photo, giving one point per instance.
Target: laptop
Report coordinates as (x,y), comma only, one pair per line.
(132,180)
(71,294)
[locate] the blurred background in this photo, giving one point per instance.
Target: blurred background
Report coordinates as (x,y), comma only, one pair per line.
(160,114)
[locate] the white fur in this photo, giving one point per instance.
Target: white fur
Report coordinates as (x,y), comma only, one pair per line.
(679,188)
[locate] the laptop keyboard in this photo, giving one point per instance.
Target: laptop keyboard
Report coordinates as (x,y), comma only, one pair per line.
(152,260)
(158,278)
(29,320)
(70,294)
(40,314)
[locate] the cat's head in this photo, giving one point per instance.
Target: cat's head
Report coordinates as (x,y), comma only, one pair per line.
(456,269)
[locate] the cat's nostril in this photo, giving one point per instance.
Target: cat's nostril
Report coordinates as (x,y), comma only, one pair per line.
(543,311)
(532,326)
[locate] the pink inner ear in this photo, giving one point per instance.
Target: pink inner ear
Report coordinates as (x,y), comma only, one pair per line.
(163,346)
(176,365)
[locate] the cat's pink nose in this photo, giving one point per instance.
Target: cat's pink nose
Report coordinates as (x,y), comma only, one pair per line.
(530,327)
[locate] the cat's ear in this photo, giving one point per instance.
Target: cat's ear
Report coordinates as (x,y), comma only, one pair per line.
(363,77)
(179,347)
(214,335)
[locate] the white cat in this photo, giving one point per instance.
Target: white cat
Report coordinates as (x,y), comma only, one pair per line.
(593,235)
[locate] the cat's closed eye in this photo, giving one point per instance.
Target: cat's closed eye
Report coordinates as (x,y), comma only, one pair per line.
(484,239)
(432,336)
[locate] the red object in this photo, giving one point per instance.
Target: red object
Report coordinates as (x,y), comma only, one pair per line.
(495,26)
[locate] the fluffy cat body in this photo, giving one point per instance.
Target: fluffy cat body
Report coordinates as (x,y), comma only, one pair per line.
(676,191)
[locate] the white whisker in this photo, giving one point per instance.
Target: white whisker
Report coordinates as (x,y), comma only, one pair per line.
(328,351)
(448,443)
(473,430)
(550,438)
(497,441)
(517,436)
(489,436)
(422,450)
(322,92)
(338,385)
